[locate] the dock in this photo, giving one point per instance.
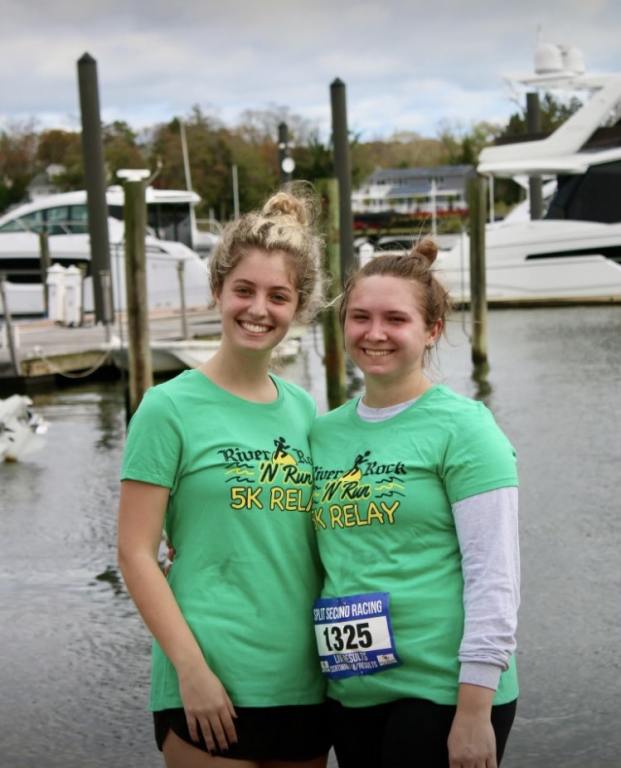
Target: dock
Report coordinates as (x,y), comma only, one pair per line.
(46,351)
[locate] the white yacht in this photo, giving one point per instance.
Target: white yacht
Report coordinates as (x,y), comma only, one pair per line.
(172,238)
(573,254)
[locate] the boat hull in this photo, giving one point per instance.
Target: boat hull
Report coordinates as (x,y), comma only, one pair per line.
(163,285)
(525,264)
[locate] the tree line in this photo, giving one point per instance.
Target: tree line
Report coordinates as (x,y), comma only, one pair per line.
(251,145)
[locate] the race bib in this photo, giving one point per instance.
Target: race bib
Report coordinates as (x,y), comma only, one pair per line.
(354,635)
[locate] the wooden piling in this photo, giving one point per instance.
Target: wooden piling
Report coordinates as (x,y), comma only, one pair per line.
(533,126)
(105,279)
(45,263)
(186,156)
(138,348)
(334,352)
(95,180)
(9,325)
(342,169)
(477,200)
(183,311)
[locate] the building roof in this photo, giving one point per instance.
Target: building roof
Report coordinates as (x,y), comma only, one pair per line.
(392,175)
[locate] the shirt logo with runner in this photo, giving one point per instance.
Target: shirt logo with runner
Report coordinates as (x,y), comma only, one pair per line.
(278,479)
(342,497)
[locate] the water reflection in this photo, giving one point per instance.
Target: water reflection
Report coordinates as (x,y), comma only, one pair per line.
(112,577)
(483,390)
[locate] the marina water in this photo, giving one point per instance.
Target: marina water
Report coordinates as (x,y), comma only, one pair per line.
(75,656)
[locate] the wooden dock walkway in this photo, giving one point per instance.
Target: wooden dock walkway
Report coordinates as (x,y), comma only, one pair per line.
(46,350)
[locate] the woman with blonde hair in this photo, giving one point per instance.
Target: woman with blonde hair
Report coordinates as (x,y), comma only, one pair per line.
(219,456)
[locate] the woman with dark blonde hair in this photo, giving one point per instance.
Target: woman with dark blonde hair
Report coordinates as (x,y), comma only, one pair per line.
(219,456)
(415,509)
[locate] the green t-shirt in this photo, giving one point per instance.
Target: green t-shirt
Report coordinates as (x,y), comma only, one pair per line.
(246,568)
(382,513)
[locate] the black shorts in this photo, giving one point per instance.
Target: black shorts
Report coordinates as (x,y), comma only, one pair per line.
(407,733)
(293,733)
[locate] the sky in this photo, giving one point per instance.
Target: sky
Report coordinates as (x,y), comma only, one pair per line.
(408,66)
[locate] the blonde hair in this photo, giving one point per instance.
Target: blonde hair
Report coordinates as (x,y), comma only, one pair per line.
(415,266)
(285,223)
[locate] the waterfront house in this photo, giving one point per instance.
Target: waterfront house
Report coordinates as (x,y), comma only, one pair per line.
(413,190)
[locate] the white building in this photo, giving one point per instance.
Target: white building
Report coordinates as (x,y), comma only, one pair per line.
(413,190)
(43,184)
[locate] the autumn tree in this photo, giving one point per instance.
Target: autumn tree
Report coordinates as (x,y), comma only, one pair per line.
(63,148)
(210,158)
(462,145)
(257,167)
(553,111)
(403,150)
(121,149)
(18,147)
(313,160)
(58,147)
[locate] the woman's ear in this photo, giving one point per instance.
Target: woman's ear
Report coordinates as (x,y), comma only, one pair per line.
(435,332)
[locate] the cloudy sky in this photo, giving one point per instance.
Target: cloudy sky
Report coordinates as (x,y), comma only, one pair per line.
(407,65)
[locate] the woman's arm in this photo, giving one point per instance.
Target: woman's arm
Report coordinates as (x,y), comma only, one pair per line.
(206,703)
(487,530)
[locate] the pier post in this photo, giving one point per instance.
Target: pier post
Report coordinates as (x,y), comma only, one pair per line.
(95,179)
(186,157)
(45,262)
(138,348)
(9,325)
(184,315)
(106,290)
(533,125)
(334,352)
(342,168)
(477,202)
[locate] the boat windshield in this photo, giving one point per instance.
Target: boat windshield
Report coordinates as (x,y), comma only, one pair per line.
(592,196)
(59,220)
(169,221)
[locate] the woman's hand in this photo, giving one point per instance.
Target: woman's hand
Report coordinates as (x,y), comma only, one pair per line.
(207,707)
(471,741)
(170,558)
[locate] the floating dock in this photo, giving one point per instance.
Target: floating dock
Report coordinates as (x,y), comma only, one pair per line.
(46,351)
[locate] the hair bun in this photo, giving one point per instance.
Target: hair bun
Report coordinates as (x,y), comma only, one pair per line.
(285,204)
(427,249)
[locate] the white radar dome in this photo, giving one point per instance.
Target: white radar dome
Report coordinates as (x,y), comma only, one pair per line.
(573,60)
(548,59)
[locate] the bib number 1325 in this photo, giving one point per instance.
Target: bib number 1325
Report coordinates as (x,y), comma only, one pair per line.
(348,637)
(354,635)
